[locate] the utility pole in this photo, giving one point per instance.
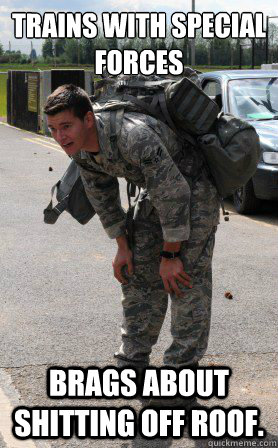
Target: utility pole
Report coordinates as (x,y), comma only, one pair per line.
(54,52)
(193,40)
(78,53)
(266,42)
(249,45)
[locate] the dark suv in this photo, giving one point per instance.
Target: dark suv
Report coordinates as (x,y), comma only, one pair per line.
(253,96)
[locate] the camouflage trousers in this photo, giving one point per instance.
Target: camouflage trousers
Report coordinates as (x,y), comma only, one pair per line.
(144,299)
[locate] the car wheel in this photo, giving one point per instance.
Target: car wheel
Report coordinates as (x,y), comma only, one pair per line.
(245,200)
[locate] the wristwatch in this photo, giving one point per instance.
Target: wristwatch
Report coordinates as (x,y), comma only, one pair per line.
(169,255)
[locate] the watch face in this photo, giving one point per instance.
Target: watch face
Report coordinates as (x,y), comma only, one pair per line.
(169,255)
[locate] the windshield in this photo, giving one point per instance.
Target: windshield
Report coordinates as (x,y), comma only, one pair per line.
(254,99)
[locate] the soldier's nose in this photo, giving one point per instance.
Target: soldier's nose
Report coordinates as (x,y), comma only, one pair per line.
(60,137)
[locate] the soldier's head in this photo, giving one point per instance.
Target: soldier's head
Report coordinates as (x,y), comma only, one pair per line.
(70,118)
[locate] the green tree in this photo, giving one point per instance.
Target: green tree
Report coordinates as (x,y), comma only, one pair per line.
(113,43)
(12,56)
(186,51)
(60,45)
(100,43)
(136,44)
(220,51)
(201,49)
(73,51)
(88,50)
(128,44)
(47,48)
(272,42)
(1,49)
(174,44)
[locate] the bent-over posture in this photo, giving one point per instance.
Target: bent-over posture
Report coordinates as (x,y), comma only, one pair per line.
(175,220)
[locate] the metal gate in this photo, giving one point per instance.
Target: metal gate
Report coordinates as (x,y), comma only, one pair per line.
(52,79)
(23,99)
(27,92)
(60,77)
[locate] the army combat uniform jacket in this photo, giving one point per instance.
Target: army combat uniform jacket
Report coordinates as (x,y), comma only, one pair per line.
(150,155)
(178,203)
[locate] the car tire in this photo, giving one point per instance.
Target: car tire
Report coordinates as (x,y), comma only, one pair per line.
(245,201)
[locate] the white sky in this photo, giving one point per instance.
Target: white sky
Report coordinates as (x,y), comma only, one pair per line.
(98,6)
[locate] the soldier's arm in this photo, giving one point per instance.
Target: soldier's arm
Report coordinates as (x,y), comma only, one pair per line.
(169,191)
(103,193)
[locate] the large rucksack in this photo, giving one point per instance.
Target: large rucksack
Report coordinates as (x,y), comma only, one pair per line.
(180,103)
(229,146)
(232,152)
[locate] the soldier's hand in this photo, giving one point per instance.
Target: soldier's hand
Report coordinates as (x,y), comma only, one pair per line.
(171,271)
(122,258)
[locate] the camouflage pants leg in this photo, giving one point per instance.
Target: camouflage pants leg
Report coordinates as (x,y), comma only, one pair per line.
(191,314)
(144,299)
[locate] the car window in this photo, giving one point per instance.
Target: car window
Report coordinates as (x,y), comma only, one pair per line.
(213,89)
(254,99)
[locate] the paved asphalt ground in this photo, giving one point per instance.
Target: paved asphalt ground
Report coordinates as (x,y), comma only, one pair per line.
(61,306)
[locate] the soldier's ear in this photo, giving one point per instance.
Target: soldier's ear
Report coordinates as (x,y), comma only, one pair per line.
(89,119)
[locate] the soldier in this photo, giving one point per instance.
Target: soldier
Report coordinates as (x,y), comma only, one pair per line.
(175,221)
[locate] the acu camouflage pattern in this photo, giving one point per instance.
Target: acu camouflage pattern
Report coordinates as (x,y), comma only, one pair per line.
(177,101)
(232,153)
(177,203)
(143,159)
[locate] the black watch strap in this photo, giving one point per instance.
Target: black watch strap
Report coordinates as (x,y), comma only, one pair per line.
(169,255)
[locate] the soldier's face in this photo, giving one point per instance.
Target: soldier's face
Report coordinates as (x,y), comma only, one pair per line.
(70,131)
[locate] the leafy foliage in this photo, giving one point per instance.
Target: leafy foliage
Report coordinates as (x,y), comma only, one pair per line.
(210,52)
(47,48)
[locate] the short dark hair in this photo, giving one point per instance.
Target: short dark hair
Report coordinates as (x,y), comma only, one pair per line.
(68,97)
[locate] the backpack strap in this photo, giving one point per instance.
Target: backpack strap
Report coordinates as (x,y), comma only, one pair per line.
(163,106)
(148,108)
(113,132)
(140,84)
(51,214)
(116,117)
(158,99)
(131,193)
(115,120)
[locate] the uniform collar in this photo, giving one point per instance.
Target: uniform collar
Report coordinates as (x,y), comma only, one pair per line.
(86,155)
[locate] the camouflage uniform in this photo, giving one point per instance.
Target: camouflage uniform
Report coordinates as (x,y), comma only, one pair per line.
(177,203)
